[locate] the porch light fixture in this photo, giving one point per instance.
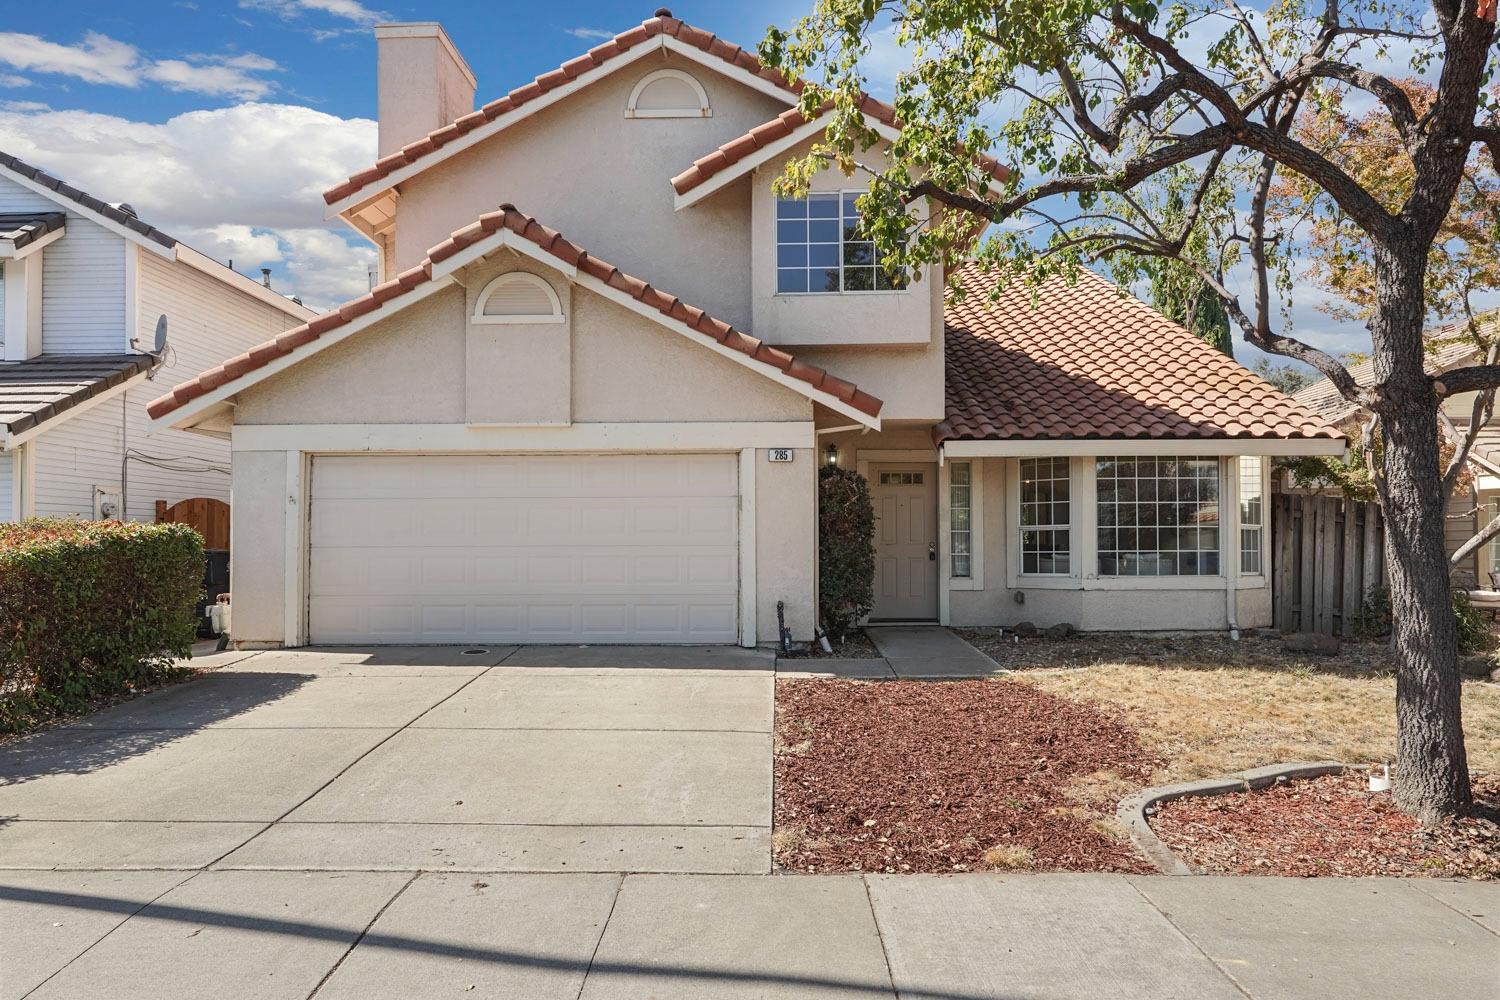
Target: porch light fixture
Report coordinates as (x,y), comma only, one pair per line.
(833,454)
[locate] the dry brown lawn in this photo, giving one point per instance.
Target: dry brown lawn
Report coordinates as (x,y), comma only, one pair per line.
(1208,721)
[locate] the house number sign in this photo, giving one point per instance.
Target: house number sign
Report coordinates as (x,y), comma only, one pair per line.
(779,455)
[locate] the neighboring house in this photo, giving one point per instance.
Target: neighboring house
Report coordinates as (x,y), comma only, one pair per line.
(83,285)
(1473,504)
(552,422)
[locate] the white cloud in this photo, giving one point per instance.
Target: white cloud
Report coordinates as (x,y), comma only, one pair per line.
(13,80)
(243,182)
(97,59)
(349,10)
(104,60)
(589,33)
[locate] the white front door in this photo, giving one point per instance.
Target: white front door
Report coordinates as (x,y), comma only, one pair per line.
(906,569)
(539,548)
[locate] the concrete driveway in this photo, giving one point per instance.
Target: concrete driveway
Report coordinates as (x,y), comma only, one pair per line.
(558,824)
(497,759)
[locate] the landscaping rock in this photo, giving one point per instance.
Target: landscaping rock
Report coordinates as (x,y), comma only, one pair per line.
(1025,629)
(1312,642)
(1477,665)
(1495,675)
(1061,630)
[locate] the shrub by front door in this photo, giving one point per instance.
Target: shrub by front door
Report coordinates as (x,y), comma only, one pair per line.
(906,567)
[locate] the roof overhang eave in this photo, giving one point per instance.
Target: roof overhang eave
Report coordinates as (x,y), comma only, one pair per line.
(1042,447)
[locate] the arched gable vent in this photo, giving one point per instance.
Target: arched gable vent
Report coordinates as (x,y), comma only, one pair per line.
(518,297)
(668,93)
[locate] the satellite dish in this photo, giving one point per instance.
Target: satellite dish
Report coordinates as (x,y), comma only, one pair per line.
(159,349)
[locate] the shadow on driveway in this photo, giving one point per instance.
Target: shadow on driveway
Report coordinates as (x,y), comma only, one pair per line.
(141,725)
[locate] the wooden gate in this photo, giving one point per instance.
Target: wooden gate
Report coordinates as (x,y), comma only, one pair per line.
(209,517)
(1328,552)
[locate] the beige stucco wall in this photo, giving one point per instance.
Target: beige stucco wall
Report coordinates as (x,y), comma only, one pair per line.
(257,554)
(786,543)
(603,180)
(626,368)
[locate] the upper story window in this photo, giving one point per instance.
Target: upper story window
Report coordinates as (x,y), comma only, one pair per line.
(518,297)
(668,93)
(820,247)
(1158,516)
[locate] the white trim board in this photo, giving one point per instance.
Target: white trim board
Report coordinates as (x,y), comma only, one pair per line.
(8,249)
(749,592)
(9,442)
(1106,446)
(631,56)
(461,438)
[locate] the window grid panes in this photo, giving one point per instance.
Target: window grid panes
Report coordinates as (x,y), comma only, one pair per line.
(960,524)
(1158,516)
(820,247)
(1252,515)
(1046,514)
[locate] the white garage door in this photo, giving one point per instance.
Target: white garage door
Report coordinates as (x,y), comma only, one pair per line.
(542,548)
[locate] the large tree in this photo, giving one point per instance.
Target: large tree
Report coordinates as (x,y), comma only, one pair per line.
(1110,111)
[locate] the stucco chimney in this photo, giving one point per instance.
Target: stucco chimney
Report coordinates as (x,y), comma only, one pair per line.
(423,82)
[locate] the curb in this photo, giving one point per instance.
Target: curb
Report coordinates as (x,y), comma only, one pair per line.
(1134,810)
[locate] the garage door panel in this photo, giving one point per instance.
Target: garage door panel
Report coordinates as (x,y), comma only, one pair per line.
(621,548)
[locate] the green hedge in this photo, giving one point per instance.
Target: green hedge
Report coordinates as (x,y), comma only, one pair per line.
(90,609)
(846,550)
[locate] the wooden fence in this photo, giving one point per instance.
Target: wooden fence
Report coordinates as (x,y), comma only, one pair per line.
(1327,552)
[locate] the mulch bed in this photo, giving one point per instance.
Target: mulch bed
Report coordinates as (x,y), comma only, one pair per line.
(1330,826)
(909,776)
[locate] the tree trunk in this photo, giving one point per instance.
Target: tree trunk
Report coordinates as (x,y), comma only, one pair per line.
(1432,773)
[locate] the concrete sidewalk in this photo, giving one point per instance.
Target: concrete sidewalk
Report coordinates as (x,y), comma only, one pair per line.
(929,651)
(235,934)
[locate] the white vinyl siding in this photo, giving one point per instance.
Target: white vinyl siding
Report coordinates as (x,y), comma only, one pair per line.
(556,548)
(2,306)
(7,485)
(83,280)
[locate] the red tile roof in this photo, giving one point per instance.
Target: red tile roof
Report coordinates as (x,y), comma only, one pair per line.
(779,128)
(564,74)
(508,217)
(1087,363)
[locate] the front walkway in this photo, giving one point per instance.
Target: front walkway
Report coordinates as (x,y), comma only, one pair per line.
(552,823)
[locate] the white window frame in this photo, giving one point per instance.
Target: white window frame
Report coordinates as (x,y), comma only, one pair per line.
(946,580)
(517,278)
(1022,528)
(1262,529)
(953,531)
(1228,506)
(703,110)
(841,290)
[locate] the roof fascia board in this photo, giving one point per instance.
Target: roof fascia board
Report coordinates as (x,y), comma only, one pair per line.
(627,58)
(183,417)
(8,249)
(87,213)
(10,441)
(778,148)
(241,283)
(1144,446)
(503,238)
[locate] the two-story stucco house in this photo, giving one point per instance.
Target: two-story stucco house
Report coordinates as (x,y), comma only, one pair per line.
(589,399)
(84,286)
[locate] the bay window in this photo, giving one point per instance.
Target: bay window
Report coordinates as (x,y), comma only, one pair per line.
(1046,517)
(1158,516)
(1252,515)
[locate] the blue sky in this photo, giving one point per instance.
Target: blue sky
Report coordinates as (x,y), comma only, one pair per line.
(222,121)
